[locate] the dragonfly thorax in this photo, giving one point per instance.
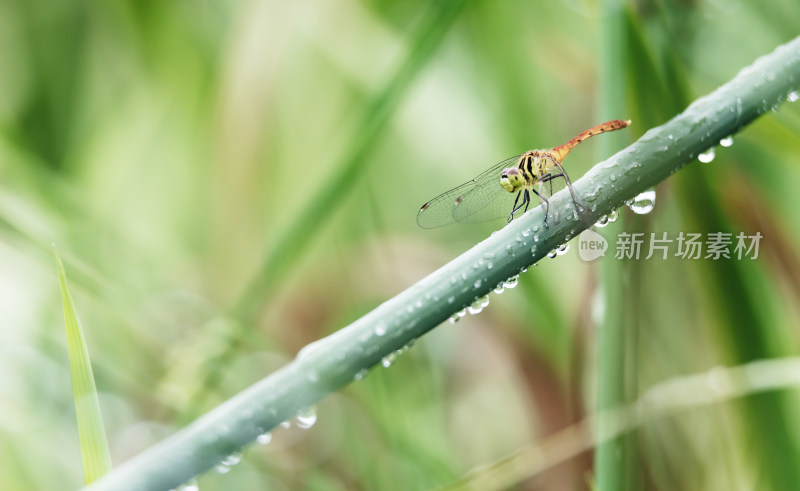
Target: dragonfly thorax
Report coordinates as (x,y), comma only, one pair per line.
(532,166)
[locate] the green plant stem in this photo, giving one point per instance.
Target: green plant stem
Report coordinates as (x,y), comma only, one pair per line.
(337,360)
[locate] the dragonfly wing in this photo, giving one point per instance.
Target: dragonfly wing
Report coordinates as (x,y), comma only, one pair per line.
(478,200)
(485,204)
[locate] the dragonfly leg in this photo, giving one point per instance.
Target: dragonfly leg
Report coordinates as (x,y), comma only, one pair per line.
(578,205)
(549,179)
(515,208)
(526,199)
(546,206)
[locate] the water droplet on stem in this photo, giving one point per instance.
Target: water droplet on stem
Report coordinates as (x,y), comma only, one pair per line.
(512,281)
(306,417)
(643,203)
(707,156)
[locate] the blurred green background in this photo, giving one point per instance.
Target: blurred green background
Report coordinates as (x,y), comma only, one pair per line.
(168,148)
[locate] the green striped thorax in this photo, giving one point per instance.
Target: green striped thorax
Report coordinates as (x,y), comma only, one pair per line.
(532,166)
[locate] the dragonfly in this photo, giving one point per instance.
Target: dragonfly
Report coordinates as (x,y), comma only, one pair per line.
(508,186)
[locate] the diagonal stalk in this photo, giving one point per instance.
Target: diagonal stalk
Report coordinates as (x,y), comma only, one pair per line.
(337,360)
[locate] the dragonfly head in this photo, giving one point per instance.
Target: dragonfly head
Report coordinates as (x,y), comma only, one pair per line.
(512,179)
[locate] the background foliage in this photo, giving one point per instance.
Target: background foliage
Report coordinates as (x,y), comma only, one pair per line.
(167,146)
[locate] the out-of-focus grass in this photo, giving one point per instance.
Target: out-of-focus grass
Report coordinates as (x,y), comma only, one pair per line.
(93,444)
(160,144)
(613,459)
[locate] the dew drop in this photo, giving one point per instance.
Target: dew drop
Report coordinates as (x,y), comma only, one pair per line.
(477,283)
(454,318)
(511,282)
(552,254)
(643,203)
(612,217)
(306,417)
(387,360)
(489,265)
(707,156)
(380,329)
(462,312)
(232,459)
(190,485)
(478,305)
(727,141)
(264,438)
(286,424)
(500,288)
(524,269)
(225,465)
(602,221)
(792,96)
(562,249)
(474,308)
(360,374)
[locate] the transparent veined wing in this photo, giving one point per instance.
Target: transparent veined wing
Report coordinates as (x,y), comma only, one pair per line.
(479,200)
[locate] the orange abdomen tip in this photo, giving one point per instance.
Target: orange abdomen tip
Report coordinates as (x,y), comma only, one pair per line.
(615,124)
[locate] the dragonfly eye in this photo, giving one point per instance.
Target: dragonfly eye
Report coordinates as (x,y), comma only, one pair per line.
(511,179)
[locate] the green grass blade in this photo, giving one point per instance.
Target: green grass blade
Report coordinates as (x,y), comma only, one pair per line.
(659,401)
(280,256)
(612,455)
(94,446)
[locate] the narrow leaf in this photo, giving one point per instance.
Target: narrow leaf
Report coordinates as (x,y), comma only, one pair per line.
(94,446)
